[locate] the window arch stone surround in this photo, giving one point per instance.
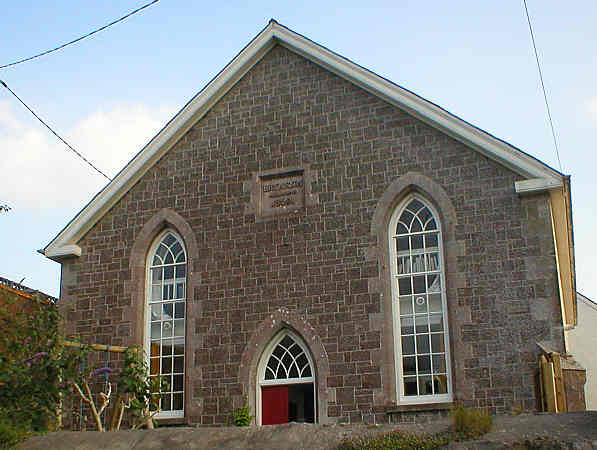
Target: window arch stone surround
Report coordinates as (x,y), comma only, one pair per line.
(162,220)
(395,193)
(264,333)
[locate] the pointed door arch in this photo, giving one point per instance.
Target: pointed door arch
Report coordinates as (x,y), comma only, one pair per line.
(286,382)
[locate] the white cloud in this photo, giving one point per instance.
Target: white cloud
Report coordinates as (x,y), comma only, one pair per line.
(37,171)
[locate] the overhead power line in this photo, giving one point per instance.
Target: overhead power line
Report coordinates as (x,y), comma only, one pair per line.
(553,132)
(54,133)
(80,38)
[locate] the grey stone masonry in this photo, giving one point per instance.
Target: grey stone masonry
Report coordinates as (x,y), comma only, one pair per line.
(322,268)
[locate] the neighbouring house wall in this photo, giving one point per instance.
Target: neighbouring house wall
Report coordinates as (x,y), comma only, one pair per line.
(582,342)
(322,268)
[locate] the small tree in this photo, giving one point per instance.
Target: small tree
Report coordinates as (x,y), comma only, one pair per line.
(137,391)
(35,367)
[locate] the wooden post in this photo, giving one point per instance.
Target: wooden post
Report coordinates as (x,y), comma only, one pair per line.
(559,382)
(549,388)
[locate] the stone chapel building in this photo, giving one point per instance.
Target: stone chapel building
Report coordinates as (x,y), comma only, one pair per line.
(314,241)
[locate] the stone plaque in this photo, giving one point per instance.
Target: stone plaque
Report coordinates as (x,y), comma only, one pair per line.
(281,192)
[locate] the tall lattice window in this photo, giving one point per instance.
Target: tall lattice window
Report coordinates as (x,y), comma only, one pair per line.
(166,302)
(419,304)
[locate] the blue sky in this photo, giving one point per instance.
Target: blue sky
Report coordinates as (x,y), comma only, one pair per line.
(109,94)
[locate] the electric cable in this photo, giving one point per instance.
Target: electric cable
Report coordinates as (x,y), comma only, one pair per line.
(553,132)
(53,132)
(81,37)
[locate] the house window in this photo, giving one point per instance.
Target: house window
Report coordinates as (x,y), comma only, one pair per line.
(419,304)
(166,323)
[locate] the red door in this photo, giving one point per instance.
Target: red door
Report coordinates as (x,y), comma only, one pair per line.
(274,405)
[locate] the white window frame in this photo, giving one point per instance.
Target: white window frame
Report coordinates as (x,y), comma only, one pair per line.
(416,399)
(173,414)
(261,381)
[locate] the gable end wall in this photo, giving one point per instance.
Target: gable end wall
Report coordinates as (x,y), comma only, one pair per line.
(322,263)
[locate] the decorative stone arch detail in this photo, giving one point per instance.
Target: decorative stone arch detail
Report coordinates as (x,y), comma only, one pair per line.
(165,218)
(413,182)
(262,336)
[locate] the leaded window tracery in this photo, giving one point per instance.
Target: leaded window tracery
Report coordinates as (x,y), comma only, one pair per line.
(422,353)
(166,322)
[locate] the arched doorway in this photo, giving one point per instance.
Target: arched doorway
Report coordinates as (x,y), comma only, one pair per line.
(286,382)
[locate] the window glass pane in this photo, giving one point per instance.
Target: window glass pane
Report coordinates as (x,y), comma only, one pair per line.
(156,312)
(168,272)
(167,328)
(435,303)
(416,226)
(404,286)
(403,264)
(179,327)
(416,241)
(181,271)
(440,384)
(166,365)
(437,343)
(406,218)
(156,260)
(433,262)
(180,290)
(169,239)
(166,402)
(161,251)
(155,348)
(156,292)
(431,225)
(401,228)
(155,330)
(178,347)
(306,372)
(439,364)
(433,283)
(402,244)
(169,259)
(406,305)
(178,380)
(406,325)
(437,322)
(408,345)
(424,364)
(409,365)
(422,343)
(167,310)
(176,249)
(431,240)
(179,364)
(418,263)
(410,386)
(177,402)
(179,310)
(420,304)
(156,274)
(154,366)
(425,387)
(421,324)
(293,373)
(166,347)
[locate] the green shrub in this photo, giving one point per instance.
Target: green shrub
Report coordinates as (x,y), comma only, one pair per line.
(11,432)
(471,423)
(396,440)
(242,417)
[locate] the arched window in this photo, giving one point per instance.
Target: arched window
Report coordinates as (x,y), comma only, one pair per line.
(286,382)
(419,304)
(166,306)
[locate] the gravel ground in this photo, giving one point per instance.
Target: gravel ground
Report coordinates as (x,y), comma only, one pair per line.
(576,430)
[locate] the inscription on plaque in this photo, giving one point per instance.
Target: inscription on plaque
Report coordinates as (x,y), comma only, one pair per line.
(282,192)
